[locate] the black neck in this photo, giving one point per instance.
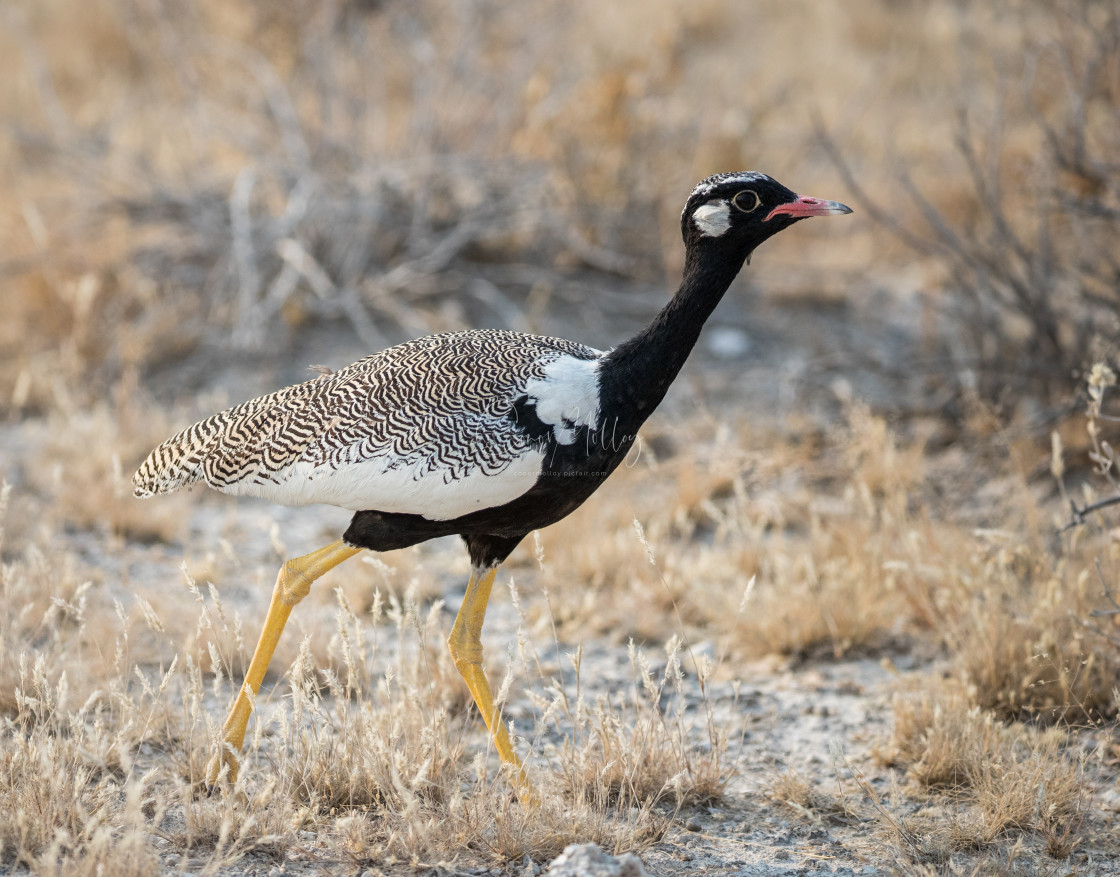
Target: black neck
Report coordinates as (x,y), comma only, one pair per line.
(637,373)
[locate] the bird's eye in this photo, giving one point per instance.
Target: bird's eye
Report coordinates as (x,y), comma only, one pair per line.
(747,200)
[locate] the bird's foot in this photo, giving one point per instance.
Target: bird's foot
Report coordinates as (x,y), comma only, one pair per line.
(526,792)
(529,797)
(221,769)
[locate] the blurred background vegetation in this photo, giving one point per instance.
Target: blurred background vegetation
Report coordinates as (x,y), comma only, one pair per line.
(186,182)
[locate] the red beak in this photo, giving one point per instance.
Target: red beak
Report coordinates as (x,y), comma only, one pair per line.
(805,206)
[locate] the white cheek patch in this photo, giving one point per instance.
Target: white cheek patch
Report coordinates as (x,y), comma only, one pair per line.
(713,219)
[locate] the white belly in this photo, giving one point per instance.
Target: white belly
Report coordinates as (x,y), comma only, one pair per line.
(384,484)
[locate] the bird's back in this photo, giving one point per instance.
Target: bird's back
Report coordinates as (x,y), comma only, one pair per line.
(402,427)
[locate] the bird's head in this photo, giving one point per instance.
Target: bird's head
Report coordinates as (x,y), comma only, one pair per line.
(738,211)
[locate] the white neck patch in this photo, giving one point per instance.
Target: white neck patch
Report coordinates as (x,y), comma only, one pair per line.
(567,397)
(713,219)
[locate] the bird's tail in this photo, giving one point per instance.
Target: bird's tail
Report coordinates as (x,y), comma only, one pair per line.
(177,462)
(231,446)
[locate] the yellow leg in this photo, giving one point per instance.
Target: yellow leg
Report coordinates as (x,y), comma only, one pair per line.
(465,644)
(292,584)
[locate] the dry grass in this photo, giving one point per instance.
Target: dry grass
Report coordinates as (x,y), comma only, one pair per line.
(375,750)
(824,547)
(70,801)
(226,173)
(369,752)
(642,753)
(752,543)
(797,792)
(991,782)
(81,475)
(350,743)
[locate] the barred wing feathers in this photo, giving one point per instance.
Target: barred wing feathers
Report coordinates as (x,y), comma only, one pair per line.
(421,428)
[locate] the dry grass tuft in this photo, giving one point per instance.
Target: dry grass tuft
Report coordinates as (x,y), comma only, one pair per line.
(225,828)
(1031,786)
(770,542)
(351,743)
(70,801)
(642,753)
(485,824)
(70,634)
(794,790)
(82,464)
(1020,626)
(997,781)
(941,736)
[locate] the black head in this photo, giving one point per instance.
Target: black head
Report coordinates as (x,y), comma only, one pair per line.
(741,210)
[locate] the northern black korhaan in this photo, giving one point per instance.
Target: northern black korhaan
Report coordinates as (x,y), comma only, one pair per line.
(485,434)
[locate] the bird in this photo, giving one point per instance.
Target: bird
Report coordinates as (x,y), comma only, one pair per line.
(485,434)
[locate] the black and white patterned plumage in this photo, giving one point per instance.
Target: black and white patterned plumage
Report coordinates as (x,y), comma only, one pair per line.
(486,434)
(438,427)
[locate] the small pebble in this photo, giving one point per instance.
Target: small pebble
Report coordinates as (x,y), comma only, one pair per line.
(692,825)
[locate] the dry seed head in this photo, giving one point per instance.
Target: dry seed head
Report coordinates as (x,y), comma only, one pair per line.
(191,584)
(1101,378)
(150,616)
(118,607)
(538,549)
(216,663)
(704,668)
(216,598)
(747,591)
(502,694)
(139,674)
(377,607)
(168,675)
(641,533)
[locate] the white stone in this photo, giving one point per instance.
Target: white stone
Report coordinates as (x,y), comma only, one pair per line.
(588,860)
